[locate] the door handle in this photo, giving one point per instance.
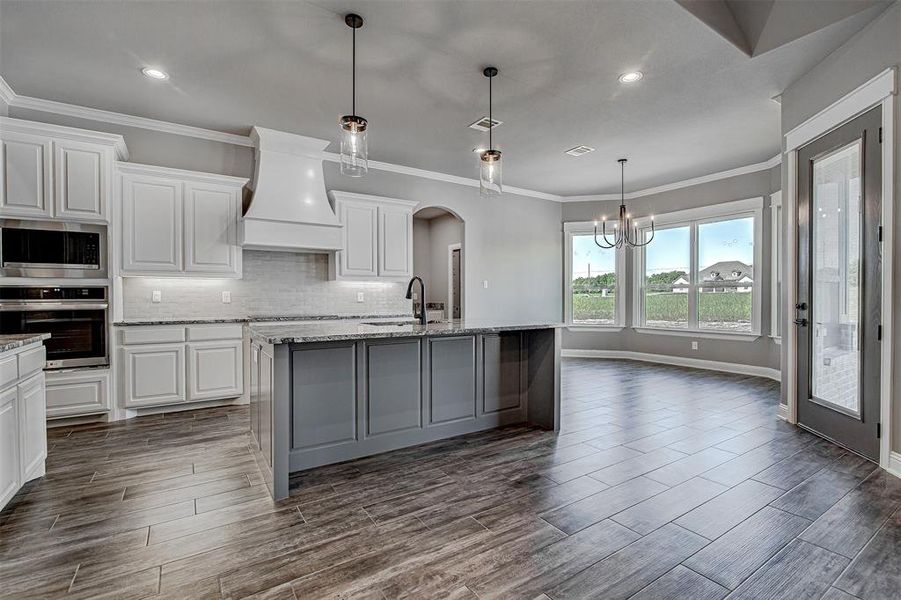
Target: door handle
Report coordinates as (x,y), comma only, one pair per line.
(801,322)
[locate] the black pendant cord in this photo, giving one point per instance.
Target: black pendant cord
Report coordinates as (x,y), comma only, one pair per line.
(490,120)
(353,71)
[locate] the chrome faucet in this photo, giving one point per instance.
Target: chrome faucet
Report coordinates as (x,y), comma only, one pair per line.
(422,313)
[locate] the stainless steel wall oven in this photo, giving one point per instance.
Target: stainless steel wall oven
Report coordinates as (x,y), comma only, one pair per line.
(75,318)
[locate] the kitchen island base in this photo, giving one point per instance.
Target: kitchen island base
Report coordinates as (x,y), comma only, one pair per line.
(315,404)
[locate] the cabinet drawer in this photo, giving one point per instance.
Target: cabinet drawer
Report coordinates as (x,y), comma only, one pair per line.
(32,361)
(9,370)
(200,333)
(152,335)
(77,393)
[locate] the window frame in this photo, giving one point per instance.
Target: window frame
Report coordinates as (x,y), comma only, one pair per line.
(692,218)
(776,251)
(570,229)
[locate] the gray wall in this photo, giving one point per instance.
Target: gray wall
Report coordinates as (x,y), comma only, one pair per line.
(874,49)
(761,352)
(511,241)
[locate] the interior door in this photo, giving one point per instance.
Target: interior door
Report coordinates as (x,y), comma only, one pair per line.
(840,284)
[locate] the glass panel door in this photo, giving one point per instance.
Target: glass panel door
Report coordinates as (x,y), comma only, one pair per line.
(835,272)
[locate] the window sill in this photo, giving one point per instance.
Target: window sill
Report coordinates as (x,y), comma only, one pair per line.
(598,328)
(700,333)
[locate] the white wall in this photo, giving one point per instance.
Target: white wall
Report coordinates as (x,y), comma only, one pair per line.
(874,49)
(761,352)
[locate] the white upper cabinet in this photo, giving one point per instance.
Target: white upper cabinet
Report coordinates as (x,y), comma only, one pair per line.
(53,172)
(82,174)
(151,224)
(378,237)
(26,175)
(179,222)
(211,228)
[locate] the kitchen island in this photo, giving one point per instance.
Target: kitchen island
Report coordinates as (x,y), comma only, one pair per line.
(331,391)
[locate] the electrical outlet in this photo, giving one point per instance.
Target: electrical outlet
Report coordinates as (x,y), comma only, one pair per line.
(359,296)
(694,345)
(226,297)
(485,283)
(156,296)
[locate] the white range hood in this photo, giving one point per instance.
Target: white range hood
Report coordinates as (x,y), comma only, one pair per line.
(289,210)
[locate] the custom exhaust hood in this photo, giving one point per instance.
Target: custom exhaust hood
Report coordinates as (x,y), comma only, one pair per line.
(289,209)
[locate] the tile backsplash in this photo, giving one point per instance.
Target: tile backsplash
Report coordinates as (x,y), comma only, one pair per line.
(274,283)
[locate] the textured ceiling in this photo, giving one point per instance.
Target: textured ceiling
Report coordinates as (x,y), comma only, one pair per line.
(704,105)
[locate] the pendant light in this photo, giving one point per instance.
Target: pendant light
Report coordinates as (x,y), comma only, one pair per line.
(624,231)
(490,159)
(354,149)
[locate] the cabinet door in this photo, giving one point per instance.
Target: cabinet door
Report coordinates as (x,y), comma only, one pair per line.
(154,374)
(211,224)
(215,370)
(77,393)
(24,176)
(32,426)
(10,473)
(151,224)
(358,259)
(81,172)
(395,242)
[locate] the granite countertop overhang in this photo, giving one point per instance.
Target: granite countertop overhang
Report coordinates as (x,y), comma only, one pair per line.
(17,340)
(335,331)
(252,319)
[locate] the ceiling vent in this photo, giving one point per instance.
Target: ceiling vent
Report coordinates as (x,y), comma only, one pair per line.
(579,150)
(484,124)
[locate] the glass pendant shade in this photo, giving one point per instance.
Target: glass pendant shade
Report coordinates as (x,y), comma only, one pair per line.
(354,149)
(490,173)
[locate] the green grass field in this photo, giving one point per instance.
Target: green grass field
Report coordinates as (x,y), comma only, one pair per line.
(728,307)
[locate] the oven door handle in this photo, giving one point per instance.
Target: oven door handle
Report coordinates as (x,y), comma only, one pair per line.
(45,306)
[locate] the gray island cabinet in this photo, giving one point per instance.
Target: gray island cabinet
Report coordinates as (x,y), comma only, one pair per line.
(323,393)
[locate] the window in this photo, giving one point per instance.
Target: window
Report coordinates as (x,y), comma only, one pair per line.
(700,272)
(776,267)
(591,279)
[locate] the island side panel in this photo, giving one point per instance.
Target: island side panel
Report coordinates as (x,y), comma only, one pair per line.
(281,419)
(543,390)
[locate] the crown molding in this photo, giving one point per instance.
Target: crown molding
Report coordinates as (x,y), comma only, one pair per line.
(669,187)
(104,116)
(114,140)
(139,169)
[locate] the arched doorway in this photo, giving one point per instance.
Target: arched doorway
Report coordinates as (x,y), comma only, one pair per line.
(438,260)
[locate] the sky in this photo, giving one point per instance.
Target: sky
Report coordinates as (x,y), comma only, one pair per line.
(723,240)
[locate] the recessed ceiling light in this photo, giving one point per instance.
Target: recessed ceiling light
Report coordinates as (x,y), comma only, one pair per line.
(154,73)
(631,77)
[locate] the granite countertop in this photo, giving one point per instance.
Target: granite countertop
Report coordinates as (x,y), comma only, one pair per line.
(11,342)
(254,319)
(337,331)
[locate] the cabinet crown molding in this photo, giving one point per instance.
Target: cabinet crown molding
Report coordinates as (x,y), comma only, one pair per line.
(339,195)
(115,141)
(140,169)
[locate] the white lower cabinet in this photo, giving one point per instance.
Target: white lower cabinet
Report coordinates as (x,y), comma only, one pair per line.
(23,419)
(154,374)
(10,475)
(160,368)
(215,370)
(77,393)
(32,426)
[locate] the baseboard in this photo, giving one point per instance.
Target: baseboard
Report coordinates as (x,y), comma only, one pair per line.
(894,464)
(694,363)
(130,413)
(782,412)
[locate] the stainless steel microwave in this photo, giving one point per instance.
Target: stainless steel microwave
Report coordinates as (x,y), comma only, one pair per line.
(52,249)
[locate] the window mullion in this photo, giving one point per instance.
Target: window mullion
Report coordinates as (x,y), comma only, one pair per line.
(693,278)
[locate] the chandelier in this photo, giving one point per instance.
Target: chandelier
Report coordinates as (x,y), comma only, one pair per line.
(625,233)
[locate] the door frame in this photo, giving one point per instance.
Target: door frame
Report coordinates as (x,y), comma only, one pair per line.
(450,279)
(878,91)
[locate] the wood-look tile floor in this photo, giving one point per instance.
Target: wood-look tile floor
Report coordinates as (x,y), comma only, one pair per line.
(664,483)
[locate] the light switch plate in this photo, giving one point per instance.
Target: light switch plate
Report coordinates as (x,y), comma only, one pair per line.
(485,283)
(359,296)
(226,297)
(156,296)
(694,345)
